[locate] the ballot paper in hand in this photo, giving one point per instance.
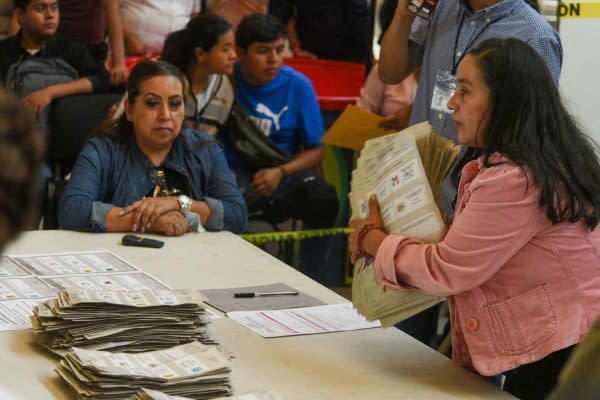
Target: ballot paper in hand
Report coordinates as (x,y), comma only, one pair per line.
(405,170)
(133,321)
(190,370)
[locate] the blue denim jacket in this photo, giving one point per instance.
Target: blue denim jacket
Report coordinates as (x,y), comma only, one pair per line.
(111,173)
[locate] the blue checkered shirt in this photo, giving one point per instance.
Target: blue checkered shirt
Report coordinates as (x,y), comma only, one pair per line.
(432,46)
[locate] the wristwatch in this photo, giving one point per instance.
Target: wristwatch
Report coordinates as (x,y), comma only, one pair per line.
(185,204)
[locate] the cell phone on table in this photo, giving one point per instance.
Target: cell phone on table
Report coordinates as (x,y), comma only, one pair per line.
(138,241)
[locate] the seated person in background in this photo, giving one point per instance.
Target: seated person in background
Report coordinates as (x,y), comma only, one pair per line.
(86,22)
(394,102)
(37,41)
(235,10)
(20,159)
(332,29)
(146,23)
(147,174)
(520,261)
(283,103)
(205,52)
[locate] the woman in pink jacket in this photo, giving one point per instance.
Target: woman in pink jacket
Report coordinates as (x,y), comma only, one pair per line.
(521,262)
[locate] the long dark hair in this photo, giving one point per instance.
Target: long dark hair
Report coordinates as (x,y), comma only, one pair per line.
(530,125)
(202,31)
(121,129)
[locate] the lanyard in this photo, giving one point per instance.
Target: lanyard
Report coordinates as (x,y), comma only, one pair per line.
(462,21)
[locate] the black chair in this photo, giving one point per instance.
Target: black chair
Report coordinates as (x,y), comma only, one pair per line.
(72,121)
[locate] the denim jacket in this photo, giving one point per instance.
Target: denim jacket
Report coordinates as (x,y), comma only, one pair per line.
(111,173)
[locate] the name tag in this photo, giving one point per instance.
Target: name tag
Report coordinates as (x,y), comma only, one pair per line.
(445,86)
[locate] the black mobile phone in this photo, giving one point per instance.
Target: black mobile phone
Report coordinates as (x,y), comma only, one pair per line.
(133,240)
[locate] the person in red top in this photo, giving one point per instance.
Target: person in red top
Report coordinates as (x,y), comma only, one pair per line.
(520,262)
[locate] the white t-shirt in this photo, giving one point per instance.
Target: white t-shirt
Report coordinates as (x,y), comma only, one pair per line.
(204,97)
(152,20)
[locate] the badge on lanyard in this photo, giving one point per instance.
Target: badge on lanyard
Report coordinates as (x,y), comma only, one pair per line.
(445,86)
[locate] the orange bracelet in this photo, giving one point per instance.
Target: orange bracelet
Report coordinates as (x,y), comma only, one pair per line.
(362,234)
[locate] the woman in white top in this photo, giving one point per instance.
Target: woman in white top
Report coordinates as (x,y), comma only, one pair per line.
(146,23)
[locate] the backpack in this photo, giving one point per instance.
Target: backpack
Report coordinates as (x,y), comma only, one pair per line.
(249,141)
(35,73)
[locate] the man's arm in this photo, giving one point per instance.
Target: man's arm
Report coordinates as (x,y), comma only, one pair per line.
(267,180)
(394,62)
(37,101)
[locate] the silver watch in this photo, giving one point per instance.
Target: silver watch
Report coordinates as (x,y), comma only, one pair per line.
(185,204)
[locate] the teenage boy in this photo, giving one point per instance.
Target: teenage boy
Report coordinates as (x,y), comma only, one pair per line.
(39,21)
(283,104)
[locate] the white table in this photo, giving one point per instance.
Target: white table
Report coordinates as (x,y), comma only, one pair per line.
(368,364)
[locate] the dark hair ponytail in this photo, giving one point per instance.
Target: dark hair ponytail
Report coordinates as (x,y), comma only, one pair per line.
(202,31)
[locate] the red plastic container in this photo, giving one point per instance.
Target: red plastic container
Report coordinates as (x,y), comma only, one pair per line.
(337,83)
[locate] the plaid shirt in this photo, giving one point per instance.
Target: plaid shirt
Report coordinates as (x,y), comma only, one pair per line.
(440,43)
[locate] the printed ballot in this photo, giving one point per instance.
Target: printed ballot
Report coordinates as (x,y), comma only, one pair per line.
(405,170)
(191,370)
(302,321)
(128,321)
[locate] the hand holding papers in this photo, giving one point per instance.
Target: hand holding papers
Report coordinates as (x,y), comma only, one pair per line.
(402,169)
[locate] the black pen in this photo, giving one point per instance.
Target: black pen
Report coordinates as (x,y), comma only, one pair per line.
(263,294)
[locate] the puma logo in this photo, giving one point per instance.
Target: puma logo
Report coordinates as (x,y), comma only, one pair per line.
(263,109)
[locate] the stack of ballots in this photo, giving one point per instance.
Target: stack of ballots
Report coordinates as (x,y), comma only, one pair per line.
(192,370)
(133,321)
(405,170)
(147,394)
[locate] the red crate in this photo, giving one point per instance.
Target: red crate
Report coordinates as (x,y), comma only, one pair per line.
(337,83)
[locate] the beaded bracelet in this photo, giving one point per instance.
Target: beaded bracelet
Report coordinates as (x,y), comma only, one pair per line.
(364,231)
(283,172)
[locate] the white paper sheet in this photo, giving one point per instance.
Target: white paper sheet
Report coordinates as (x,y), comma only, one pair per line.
(15,314)
(302,321)
(26,280)
(73,263)
(126,281)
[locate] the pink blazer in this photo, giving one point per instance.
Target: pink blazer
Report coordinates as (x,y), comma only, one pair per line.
(519,287)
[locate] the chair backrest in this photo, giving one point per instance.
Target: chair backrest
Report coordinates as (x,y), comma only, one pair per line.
(72,121)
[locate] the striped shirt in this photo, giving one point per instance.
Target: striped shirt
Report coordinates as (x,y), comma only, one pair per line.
(440,43)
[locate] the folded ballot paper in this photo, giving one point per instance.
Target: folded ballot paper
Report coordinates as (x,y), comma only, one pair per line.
(191,370)
(126,321)
(147,394)
(405,170)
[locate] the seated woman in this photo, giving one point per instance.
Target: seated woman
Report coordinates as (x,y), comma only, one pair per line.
(520,262)
(147,174)
(205,52)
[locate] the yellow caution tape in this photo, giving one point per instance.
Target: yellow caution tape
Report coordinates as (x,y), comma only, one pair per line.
(262,238)
(578,10)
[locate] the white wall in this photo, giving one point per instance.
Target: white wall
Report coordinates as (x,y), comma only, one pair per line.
(580,79)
